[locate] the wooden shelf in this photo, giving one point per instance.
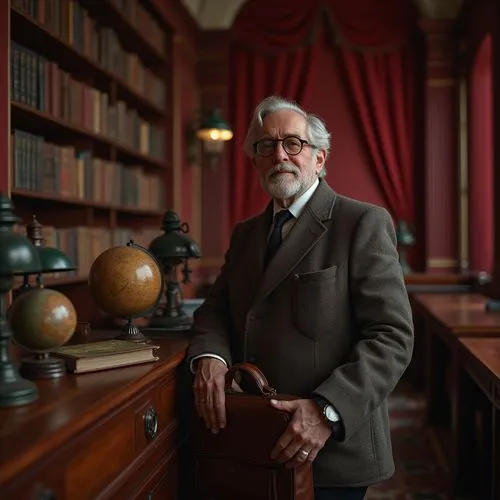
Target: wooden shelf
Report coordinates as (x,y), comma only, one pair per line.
(48,198)
(38,122)
(50,283)
(130,37)
(29,33)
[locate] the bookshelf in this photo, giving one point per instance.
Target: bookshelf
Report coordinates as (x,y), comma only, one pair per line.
(90,126)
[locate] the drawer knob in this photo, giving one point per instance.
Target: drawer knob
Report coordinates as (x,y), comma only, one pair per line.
(151,423)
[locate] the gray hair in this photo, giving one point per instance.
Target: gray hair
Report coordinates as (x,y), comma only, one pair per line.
(317,133)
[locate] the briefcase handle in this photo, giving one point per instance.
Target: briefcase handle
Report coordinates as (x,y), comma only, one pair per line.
(260,379)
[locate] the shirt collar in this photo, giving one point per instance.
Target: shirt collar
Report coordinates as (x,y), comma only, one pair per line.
(298,205)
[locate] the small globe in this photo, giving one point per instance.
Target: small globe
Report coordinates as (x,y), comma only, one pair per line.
(126,281)
(41,319)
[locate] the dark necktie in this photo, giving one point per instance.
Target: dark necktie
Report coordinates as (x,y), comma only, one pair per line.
(275,240)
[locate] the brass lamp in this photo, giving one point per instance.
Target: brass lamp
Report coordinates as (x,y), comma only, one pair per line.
(214,131)
(405,240)
(173,249)
(18,256)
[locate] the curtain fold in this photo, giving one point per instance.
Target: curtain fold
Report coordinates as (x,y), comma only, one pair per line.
(274,46)
(381,89)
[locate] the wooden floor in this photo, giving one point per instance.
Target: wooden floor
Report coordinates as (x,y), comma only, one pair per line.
(421,465)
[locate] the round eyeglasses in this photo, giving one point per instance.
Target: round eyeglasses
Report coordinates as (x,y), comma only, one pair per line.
(292,145)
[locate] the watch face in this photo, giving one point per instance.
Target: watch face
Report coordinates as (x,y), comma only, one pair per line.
(331,414)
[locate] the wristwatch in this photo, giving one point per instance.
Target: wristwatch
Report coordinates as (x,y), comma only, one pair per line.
(331,416)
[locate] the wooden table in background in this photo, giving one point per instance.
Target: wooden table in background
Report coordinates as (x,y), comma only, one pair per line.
(480,358)
(446,319)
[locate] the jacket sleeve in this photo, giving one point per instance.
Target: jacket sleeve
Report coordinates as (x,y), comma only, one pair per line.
(210,333)
(382,320)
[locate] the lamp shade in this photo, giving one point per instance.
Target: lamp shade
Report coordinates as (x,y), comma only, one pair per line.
(214,128)
(18,255)
(51,259)
(174,244)
(404,235)
(54,260)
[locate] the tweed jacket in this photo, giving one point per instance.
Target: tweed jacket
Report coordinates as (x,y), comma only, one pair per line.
(329,315)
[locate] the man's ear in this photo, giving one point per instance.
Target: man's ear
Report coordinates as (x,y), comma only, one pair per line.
(320,160)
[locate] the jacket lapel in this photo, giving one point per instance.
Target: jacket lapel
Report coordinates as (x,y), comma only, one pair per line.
(257,247)
(305,234)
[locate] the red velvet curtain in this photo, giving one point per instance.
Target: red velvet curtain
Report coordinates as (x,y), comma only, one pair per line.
(274,45)
(381,89)
(480,108)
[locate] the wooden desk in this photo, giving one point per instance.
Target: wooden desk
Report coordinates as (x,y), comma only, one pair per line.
(447,318)
(481,359)
(441,317)
(86,437)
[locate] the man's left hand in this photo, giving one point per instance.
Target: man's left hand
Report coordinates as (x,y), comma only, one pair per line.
(305,435)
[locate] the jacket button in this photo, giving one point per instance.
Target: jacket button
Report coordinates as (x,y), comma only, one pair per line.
(296,276)
(252,359)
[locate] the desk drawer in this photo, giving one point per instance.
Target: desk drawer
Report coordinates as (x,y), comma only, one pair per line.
(109,448)
(100,459)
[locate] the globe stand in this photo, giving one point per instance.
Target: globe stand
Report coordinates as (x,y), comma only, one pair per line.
(132,332)
(41,366)
(14,390)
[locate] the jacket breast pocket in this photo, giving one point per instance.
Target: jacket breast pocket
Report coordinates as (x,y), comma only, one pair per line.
(314,301)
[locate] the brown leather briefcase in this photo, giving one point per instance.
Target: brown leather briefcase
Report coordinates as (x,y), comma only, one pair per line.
(236,463)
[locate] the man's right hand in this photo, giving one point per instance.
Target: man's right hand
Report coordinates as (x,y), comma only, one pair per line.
(209,396)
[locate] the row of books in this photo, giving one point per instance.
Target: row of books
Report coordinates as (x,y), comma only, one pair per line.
(40,83)
(66,172)
(70,21)
(143,21)
(84,244)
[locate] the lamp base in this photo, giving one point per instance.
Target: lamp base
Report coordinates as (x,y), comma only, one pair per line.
(42,366)
(17,392)
(493,306)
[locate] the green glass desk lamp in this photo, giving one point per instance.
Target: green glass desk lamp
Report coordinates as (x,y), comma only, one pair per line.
(59,315)
(52,260)
(18,256)
(405,240)
(172,249)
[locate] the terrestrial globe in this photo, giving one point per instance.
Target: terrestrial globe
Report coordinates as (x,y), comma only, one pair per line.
(41,319)
(126,282)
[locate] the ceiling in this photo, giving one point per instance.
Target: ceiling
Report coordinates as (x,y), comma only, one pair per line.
(220,14)
(213,14)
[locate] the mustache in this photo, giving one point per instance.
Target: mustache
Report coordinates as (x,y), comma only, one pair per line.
(282,168)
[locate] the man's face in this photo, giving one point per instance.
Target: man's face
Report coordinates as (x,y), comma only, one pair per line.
(285,175)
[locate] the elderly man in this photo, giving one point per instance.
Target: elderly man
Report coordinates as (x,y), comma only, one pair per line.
(312,292)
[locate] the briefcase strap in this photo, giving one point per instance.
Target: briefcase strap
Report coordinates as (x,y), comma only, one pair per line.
(260,379)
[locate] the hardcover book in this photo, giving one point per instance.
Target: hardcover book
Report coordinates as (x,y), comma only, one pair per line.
(105,354)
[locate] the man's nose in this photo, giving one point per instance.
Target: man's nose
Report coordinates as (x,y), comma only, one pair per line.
(280,154)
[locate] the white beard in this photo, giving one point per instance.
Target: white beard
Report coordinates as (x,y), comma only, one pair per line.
(285,186)
(282,186)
